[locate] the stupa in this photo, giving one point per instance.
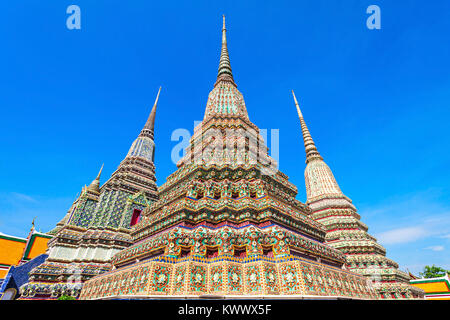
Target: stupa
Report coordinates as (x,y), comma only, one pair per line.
(227,223)
(99,222)
(345,231)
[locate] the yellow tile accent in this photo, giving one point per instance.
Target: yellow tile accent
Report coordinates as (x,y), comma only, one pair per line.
(38,247)
(432,286)
(11,251)
(3,273)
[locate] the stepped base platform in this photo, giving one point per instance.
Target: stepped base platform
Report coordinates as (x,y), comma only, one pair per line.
(228,277)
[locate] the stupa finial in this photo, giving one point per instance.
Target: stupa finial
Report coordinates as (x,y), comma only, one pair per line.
(100,173)
(224,73)
(310,147)
(32,224)
(95,184)
(149,127)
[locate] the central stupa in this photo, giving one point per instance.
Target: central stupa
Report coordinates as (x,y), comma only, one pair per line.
(227,223)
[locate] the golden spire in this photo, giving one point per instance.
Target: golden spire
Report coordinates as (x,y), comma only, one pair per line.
(310,147)
(32,224)
(224,73)
(95,184)
(100,173)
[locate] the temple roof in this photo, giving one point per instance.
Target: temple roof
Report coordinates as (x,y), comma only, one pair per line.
(16,249)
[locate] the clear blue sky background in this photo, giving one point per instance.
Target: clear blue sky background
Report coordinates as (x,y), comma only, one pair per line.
(376,101)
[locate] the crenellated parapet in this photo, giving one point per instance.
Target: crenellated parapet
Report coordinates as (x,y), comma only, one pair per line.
(210,242)
(225,173)
(235,210)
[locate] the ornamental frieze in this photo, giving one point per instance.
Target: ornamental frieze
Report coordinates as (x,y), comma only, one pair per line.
(225,240)
(189,278)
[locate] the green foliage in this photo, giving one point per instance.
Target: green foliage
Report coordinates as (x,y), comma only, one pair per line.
(433,272)
(66,298)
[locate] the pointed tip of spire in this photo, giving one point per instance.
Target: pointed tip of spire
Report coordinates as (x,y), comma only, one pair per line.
(157,97)
(100,172)
(310,147)
(153,112)
(224,73)
(32,224)
(293,93)
(150,124)
(300,115)
(95,184)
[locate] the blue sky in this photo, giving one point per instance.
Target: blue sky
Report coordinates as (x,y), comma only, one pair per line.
(376,101)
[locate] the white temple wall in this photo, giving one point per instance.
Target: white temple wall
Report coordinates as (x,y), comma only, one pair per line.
(62,253)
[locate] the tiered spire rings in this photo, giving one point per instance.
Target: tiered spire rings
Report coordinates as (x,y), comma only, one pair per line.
(310,147)
(224,72)
(95,184)
(149,127)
